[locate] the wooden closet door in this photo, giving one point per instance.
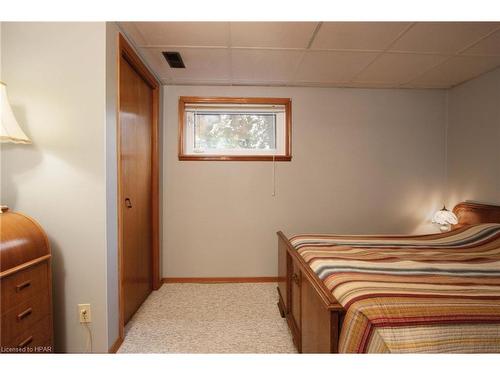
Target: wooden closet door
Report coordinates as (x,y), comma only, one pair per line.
(136,111)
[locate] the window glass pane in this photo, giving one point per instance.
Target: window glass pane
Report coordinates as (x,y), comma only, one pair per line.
(233,131)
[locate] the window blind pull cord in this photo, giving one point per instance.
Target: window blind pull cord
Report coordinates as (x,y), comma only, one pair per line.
(274,176)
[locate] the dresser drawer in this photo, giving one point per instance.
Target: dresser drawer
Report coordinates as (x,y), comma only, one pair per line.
(23,285)
(33,340)
(24,316)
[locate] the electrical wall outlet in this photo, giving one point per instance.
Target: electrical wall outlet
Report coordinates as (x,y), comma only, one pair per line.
(84,313)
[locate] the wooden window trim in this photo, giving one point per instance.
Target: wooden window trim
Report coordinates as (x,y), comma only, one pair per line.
(183,100)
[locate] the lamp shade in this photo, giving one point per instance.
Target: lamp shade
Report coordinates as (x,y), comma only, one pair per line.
(444,217)
(10,130)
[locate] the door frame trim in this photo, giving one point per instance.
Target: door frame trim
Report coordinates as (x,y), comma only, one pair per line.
(126,51)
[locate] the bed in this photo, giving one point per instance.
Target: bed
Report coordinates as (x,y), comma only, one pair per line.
(436,293)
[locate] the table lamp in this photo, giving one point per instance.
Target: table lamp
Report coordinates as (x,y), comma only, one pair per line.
(10,131)
(444,218)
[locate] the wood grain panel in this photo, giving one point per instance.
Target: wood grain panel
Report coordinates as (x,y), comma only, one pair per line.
(296,280)
(23,285)
(23,317)
(28,341)
(145,86)
(22,240)
(293,316)
(136,149)
(319,325)
(469,213)
(282,279)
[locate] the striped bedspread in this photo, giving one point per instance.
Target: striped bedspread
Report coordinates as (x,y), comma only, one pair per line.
(420,294)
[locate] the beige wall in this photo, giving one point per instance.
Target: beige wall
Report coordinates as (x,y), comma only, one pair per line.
(364,161)
(474,140)
(56,77)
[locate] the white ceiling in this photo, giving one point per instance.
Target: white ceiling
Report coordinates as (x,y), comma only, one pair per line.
(327,54)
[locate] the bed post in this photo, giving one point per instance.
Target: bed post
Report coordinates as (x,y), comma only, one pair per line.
(282,275)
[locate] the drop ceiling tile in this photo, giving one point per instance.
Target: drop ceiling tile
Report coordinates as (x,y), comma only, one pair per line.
(272,55)
(203,64)
(272,34)
(488,46)
(327,66)
(184,33)
(442,37)
(264,65)
(456,70)
(357,35)
(394,68)
(156,62)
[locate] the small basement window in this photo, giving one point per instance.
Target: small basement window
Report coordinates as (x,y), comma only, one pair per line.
(234,128)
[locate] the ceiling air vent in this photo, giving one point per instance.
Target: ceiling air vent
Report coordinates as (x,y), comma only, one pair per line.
(174,59)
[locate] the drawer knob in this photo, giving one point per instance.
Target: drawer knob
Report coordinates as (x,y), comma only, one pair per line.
(295,278)
(22,286)
(25,342)
(25,313)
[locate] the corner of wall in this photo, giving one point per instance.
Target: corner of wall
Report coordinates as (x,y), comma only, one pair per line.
(473,155)
(111,184)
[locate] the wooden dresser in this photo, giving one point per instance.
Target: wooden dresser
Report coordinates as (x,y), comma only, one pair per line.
(26,290)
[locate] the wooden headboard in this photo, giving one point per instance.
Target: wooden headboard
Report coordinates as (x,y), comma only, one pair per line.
(469,213)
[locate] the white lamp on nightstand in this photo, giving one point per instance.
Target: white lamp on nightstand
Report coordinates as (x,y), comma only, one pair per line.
(444,218)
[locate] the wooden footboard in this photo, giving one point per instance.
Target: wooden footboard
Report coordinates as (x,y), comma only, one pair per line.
(312,313)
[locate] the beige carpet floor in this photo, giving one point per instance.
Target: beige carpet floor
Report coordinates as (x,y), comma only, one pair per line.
(209,318)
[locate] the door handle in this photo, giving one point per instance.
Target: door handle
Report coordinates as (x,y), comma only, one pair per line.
(128,203)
